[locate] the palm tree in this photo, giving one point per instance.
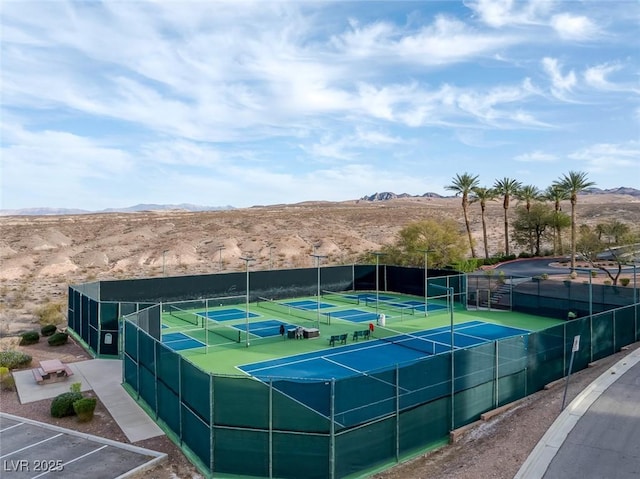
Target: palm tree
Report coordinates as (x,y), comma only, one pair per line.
(529,194)
(557,195)
(506,187)
(463,185)
(482,195)
(574,183)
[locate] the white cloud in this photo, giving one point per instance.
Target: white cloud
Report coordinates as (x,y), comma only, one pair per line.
(574,27)
(445,41)
(608,157)
(536,157)
(500,13)
(561,85)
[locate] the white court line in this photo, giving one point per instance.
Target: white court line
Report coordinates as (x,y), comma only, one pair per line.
(364,373)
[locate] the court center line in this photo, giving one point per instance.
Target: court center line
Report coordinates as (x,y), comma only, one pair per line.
(364,373)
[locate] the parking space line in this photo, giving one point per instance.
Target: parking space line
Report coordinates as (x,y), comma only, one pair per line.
(32,445)
(74,460)
(11,427)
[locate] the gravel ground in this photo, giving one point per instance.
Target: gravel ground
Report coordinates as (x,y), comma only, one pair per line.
(492,449)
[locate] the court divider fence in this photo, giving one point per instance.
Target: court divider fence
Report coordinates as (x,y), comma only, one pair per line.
(330,428)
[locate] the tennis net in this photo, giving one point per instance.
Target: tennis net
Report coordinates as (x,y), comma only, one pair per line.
(291,310)
(410,341)
(226,331)
(391,305)
(341,296)
(184,315)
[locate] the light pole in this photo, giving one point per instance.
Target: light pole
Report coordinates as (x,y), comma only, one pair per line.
(318,257)
(453,362)
(635,290)
(220,248)
(377,255)
(450,291)
(164,253)
(426,277)
(271,248)
(246,260)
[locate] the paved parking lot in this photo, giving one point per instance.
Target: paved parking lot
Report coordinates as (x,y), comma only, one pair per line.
(30,449)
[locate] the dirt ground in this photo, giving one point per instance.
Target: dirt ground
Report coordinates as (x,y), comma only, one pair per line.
(102,425)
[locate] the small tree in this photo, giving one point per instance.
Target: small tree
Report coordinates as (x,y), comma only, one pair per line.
(441,237)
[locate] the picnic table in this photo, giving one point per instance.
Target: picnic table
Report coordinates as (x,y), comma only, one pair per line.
(51,370)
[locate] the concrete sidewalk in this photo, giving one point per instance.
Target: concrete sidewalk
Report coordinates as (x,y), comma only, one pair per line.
(597,435)
(104,377)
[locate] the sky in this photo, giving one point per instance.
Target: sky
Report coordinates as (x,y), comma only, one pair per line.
(115,103)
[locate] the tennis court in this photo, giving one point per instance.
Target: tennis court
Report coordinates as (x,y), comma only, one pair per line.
(339,314)
(384,351)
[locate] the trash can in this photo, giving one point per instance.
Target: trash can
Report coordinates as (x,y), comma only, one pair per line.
(381,319)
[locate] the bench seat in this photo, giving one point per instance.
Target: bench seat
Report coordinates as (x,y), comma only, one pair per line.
(341,338)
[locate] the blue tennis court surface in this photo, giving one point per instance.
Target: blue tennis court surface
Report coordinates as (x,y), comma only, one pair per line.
(270,327)
(309,304)
(179,341)
(227,314)
(365,356)
(373,362)
(355,315)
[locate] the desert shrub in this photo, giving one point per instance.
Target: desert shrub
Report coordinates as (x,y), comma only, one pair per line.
(29,337)
(48,329)
(50,313)
(544,276)
(607,282)
(7,382)
(624,281)
(84,408)
(13,359)
(62,405)
(58,339)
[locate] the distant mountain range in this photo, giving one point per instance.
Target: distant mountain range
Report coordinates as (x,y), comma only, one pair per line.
(386,195)
(131,209)
(383,196)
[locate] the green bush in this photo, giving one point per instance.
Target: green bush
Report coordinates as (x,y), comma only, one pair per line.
(13,359)
(50,313)
(624,281)
(62,405)
(7,382)
(29,337)
(58,339)
(84,409)
(48,329)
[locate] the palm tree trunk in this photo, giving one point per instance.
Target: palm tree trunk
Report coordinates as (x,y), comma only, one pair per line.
(573,234)
(506,233)
(466,222)
(484,235)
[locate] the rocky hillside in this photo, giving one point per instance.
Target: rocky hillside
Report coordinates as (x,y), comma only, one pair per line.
(41,255)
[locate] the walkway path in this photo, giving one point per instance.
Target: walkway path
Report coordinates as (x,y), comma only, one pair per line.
(104,377)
